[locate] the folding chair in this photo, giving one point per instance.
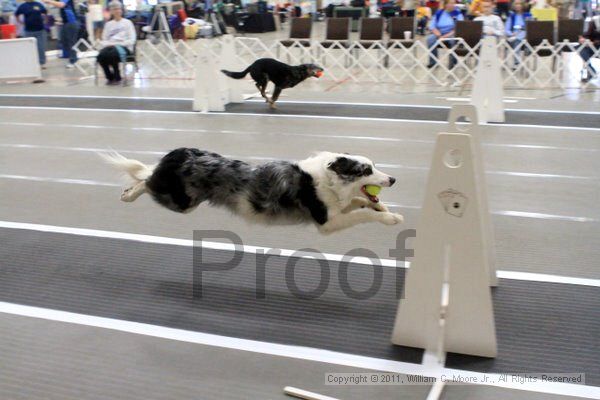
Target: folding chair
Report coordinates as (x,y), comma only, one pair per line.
(396,28)
(371,34)
(337,35)
(300,32)
(540,36)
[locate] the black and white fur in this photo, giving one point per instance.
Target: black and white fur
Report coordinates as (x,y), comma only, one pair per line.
(326,189)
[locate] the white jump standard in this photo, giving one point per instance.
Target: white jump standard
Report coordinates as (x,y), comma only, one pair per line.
(447,304)
(213,90)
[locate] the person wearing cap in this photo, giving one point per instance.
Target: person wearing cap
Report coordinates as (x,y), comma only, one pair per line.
(118,40)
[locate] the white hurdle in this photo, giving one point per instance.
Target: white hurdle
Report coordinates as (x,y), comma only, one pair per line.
(469,112)
(487,87)
(213,90)
(231,62)
(447,303)
(19,59)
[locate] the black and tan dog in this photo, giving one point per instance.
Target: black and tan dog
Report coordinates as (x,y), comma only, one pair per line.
(282,75)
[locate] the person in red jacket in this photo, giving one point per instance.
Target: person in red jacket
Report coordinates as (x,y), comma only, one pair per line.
(587,51)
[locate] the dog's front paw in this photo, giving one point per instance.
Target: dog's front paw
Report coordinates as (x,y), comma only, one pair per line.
(389,218)
(379,207)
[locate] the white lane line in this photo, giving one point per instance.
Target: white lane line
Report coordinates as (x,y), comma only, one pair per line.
(59,180)
(392,105)
(296,352)
(79,96)
(467,99)
(354,104)
(386,262)
(126,128)
(331,117)
(544,216)
(190,243)
(416,121)
(112,110)
(508,213)
(258,158)
(554,111)
(547,278)
(298,134)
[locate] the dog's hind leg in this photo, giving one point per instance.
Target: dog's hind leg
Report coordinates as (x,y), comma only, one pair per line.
(262,89)
(132,193)
(262,81)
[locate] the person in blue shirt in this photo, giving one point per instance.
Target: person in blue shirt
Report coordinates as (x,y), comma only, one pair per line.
(515,29)
(69,32)
(33,17)
(442,27)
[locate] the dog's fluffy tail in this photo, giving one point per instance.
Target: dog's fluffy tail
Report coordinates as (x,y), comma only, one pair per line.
(236,75)
(134,168)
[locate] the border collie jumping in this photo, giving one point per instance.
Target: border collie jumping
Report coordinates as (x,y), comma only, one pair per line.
(282,75)
(328,189)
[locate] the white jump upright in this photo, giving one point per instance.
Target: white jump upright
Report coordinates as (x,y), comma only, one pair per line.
(209,94)
(19,59)
(213,89)
(470,112)
(230,62)
(487,87)
(447,302)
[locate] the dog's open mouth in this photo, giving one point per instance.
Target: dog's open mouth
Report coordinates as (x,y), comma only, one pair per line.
(373,198)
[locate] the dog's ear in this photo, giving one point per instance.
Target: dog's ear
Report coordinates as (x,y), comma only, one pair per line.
(338,164)
(349,169)
(344,166)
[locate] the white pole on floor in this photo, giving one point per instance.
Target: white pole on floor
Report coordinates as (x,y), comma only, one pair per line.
(447,298)
(487,88)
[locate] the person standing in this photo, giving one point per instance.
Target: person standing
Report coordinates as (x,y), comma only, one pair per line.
(118,39)
(587,52)
(33,17)
(492,24)
(442,27)
(69,32)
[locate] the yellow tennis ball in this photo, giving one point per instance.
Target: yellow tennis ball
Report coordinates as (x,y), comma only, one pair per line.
(373,190)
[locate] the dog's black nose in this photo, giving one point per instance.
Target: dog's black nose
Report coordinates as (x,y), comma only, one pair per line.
(392,180)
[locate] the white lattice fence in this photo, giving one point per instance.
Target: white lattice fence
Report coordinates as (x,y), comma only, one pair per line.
(523,66)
